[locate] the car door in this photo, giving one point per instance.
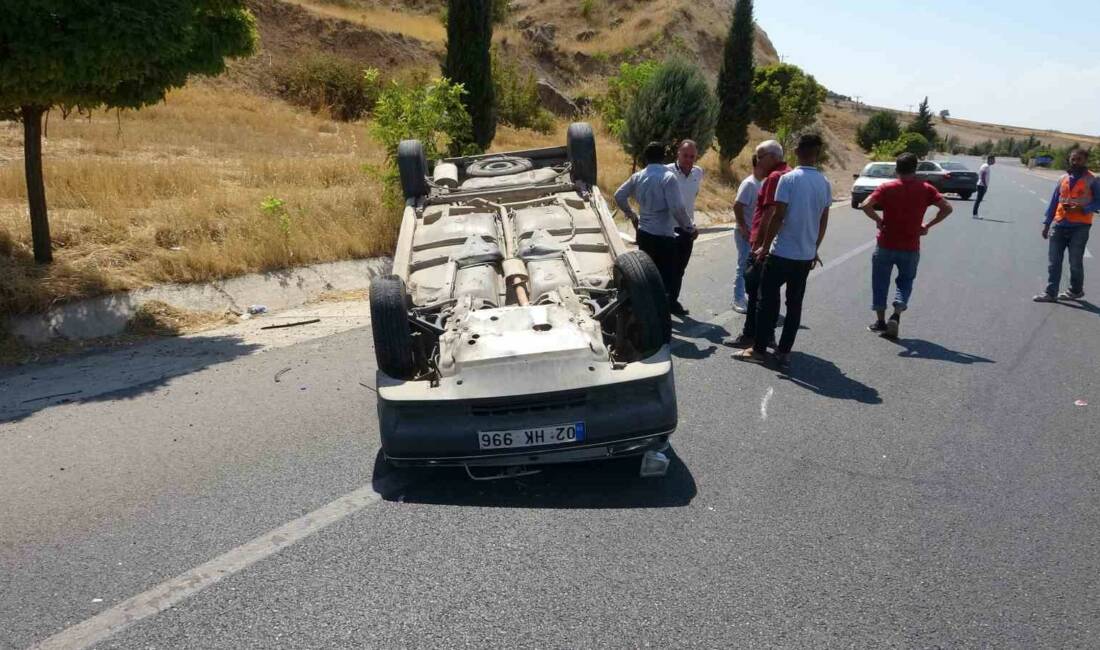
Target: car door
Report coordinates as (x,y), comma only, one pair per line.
(930,172)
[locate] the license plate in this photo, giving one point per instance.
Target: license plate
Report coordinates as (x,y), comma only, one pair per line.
(533,437)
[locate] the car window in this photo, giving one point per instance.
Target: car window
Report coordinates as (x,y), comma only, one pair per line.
(954,166)
(926,167)
(879,170)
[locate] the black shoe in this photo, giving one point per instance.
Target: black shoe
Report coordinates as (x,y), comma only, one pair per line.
(892,327)
(772,344)
(742,342)
(878,327)
(676,309)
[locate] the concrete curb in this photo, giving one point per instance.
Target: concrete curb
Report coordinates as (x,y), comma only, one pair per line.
(108,315)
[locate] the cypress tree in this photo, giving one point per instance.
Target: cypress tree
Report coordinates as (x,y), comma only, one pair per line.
(468,62)
(922,123)
(735,84)
(675,103)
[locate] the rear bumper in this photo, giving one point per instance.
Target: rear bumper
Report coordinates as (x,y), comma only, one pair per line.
(960,186)
(620,419)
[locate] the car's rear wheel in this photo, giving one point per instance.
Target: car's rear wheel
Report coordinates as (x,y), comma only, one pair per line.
(393,341)
(581,144)
(643,324)
(965,196)
(856,202)
(412,165)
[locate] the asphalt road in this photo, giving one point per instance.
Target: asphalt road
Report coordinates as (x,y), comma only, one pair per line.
(940,491)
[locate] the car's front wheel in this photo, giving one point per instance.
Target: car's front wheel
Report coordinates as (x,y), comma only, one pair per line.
(643,324)
(965,196)
(393,341)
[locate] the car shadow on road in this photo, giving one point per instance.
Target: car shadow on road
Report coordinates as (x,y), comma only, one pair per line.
(994,220)
(921,349)
(690,330)
(826,379)
(111,376)
(610,484)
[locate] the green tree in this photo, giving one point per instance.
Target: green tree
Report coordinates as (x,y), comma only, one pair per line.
(735,83)
(785,100)
(1094,158)
(883,125)
(622,90)
(468,62)
(109,53)
(922,123)
(913,143)
(676,103)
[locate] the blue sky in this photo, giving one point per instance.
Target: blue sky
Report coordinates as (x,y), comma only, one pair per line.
(1010,62)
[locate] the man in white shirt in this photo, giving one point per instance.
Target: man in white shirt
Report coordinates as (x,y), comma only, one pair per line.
(661,211)
(743,207)
(789,248)
(689,177)
(983,183)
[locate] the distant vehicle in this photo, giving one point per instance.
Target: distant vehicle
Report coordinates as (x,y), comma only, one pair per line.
(873,175)
(1043,161)
(517,329)
(949,177)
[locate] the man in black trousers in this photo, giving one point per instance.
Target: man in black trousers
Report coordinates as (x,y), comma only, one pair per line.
(660,214)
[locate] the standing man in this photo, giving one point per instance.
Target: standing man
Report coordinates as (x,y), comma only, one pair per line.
(689,177)
(743,207)
(1075,199)
(769,156)
(789,248)
(661,211)
(983,182)
(903,203)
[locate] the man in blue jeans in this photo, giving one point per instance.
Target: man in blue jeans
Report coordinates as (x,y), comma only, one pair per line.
(903,203)
(1075,199)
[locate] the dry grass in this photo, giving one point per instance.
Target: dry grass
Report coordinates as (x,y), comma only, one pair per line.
(427,28)
(156,318)
(173,194)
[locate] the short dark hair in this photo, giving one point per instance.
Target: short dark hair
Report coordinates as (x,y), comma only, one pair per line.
(991,157)
(654,153)
(809,142)
(907,163)
(1079,150)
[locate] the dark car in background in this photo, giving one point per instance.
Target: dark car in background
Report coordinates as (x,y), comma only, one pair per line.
(949,177)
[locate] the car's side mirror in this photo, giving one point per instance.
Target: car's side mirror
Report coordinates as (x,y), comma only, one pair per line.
(855,176)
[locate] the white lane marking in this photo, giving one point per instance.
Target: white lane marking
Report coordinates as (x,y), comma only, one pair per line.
(843,258)
(764,403)
(1042,201)
(187,584)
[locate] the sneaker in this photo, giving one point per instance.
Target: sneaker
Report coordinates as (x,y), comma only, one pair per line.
(740,307)
(878,327)
(1069,294)
(676,309)
(892,327)
(1044,297)
(742,342)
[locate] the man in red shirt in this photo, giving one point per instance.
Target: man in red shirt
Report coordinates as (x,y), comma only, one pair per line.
(769,156)
(903,203)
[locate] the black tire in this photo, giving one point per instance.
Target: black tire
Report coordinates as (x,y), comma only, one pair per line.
(413,167)
(965,196)
(393,343)
(499,166)
(856,202)
(644,319)
(581,144)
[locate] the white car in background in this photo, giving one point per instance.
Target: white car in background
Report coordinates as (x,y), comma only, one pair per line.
(873,175)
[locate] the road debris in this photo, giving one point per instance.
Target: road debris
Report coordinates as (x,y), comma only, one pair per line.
(257,309)
(1080,402)
(45,397)
(294,324)
(280,374)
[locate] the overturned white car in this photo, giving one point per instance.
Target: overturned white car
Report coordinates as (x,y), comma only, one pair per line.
(516,328)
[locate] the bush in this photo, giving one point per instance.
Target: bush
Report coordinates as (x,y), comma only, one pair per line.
(676,103)
(517,96)
(1094,158)
(589,8)
(622,89)
(889,150)
(882,126)
(326,82)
